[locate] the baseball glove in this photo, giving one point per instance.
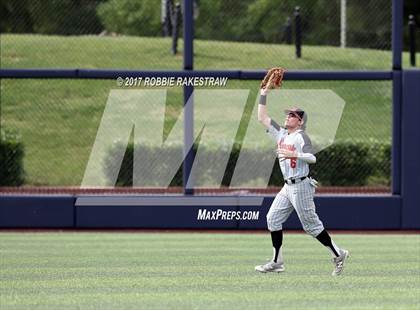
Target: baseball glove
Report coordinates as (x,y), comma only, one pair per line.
(273,78)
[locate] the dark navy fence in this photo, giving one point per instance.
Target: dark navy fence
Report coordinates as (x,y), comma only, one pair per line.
(337,212)
(301,75)
(399,210)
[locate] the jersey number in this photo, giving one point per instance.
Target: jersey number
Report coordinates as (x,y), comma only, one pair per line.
(293,162)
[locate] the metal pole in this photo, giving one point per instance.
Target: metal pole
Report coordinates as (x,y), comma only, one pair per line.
(188,90)
(175,28)
(397,32)
(298,33)
(167,12)
(163,15)
(343,23)
(412,39)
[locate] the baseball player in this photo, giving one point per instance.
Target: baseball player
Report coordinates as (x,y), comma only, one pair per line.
(294,151)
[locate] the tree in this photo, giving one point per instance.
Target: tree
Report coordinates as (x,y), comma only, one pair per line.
(132,17)
(66,17)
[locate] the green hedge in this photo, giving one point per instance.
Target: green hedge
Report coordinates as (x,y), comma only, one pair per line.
(342,164)
(11,159)
(346,164)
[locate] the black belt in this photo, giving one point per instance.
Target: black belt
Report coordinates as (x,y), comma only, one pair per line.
(293,181)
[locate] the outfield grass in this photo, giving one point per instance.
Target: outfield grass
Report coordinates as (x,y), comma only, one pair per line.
(204,271)
(58,119)
(39,51)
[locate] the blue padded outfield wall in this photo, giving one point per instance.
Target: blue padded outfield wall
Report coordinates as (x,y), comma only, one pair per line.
(410,150)
(183,212)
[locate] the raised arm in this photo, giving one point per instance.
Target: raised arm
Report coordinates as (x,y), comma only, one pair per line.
(263,117)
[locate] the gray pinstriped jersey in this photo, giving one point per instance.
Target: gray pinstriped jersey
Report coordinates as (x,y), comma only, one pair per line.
(297,141)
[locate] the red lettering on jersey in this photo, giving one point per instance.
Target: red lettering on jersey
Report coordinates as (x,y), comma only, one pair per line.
(285,146)
(281,145)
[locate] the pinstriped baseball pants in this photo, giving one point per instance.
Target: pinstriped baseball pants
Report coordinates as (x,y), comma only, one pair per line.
(299,196)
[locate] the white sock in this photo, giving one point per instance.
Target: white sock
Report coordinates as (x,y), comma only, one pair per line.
(279,257)
(336,248)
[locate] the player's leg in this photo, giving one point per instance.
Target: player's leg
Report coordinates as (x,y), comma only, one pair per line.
(303,202)
(326,240)
(301,196)
(277,241)
(279,212)
(339,255)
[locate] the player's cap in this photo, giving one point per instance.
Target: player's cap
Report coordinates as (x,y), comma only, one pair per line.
(299,113)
